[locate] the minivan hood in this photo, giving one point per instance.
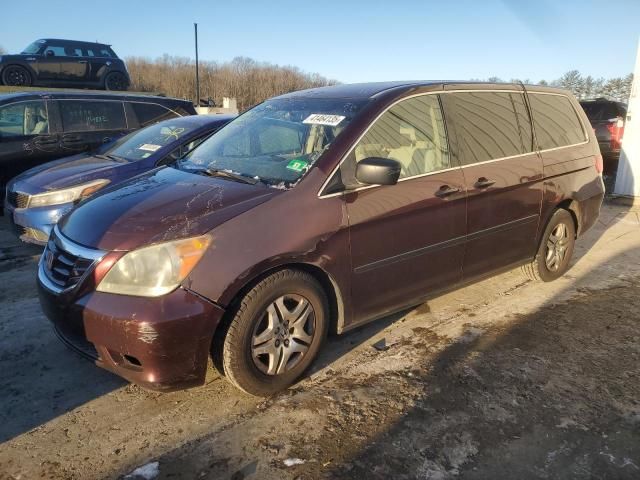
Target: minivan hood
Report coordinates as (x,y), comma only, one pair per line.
(64,173)
(162,205)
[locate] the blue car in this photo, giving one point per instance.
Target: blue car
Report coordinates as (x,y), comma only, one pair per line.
(36,199)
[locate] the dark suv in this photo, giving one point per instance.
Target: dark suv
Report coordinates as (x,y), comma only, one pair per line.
(607,117)
(51,62)
(38,127)
(319,211)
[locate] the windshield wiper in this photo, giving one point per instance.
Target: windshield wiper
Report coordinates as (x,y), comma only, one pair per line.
(233,176)
(111,157)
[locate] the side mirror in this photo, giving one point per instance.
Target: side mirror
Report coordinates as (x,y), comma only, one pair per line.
(49,53)
(378,171)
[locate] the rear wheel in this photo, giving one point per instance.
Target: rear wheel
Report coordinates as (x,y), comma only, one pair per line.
(16,76)
(276,333)
(556,248)
(115,81)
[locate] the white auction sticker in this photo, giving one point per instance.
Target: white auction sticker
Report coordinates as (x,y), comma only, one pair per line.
(323,119)
(149,147)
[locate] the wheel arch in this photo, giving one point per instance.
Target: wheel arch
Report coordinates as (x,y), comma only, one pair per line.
(324,278)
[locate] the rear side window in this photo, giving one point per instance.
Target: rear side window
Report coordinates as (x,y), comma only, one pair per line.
(24,118)
(412,133)
(83,115)
(555,121)
(150,113)
(491,125)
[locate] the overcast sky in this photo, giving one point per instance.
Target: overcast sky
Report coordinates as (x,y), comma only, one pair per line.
(354,40)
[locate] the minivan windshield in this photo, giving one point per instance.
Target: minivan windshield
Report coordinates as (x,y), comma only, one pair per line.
(276,142)
(144,143)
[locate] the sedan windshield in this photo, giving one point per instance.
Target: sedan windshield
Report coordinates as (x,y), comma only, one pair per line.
(276,142)
(144,143)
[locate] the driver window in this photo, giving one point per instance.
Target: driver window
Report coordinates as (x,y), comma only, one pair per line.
(411,132)
(23,119)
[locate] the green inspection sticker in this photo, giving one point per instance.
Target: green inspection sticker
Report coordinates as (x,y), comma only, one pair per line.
(297,165)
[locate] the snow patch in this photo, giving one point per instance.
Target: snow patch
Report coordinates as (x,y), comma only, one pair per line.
(145,472)
(290,462)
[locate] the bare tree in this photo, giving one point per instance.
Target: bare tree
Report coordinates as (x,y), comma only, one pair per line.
(2,50)
(249,81)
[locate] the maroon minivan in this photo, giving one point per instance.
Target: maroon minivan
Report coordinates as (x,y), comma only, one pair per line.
(319,211)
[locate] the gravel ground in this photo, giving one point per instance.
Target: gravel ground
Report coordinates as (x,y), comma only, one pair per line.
(503,379)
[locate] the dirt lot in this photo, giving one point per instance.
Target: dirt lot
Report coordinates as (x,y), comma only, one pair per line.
(503,379)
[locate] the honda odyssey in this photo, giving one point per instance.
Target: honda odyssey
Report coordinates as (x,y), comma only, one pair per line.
(318,211)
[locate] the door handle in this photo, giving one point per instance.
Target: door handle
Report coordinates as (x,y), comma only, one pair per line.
(446,190)
(46,141)
(82,61)
(484,183)
(30,59)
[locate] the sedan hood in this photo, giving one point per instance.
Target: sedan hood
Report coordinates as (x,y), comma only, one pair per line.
(162,205)
(64,173)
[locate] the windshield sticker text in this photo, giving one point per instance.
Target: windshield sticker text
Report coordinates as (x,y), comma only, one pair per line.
(149,147)
(323,119)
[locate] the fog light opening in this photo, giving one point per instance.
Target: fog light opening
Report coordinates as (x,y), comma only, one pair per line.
(132,360)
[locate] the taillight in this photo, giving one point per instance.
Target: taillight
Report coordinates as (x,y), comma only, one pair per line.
(616,130)
(599,164)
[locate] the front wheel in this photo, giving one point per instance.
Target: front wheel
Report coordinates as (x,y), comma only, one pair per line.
(115,81)
(276,333)
(16,76)
(556,248)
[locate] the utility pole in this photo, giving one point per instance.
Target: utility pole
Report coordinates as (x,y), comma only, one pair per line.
(628,176)
(195,26)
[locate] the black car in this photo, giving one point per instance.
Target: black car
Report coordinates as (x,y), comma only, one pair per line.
(607,117)
(37,127)
(50,62)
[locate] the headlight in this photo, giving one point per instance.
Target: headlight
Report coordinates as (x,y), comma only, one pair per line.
(67,195)
(155,270)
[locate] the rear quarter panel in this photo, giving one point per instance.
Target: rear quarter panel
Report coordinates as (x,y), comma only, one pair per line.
(570,174)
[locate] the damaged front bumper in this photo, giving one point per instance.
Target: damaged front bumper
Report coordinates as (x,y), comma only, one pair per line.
(158,343)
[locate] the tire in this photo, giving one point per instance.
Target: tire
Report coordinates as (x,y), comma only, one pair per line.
(115,81)
(276,332)
(555,250)
(16,76)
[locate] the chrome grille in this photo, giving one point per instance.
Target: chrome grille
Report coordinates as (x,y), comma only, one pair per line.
(64,263)
(18,199)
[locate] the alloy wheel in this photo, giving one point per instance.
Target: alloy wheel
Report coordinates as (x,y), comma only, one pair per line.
(283,335)
(557,247)
(116,81)
(16,77)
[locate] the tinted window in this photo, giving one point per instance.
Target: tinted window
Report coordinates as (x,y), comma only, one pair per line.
(23,118)
(555,121)
(597,111)
(411,132)
(81,115)
(148,113)
(488,127)
(98,52)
